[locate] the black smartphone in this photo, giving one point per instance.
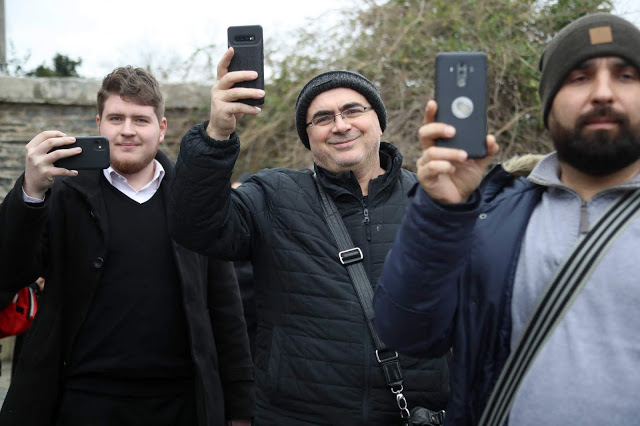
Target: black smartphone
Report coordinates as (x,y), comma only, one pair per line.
(94,155)
(461,94)
(247,44)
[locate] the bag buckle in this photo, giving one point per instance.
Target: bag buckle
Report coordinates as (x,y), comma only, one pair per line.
(347,257)
(392,357)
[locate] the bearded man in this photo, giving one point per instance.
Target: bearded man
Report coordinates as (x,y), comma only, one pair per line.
(125,331)
(472,259)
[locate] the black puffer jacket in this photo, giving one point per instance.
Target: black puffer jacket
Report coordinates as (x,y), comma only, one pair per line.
(315,361)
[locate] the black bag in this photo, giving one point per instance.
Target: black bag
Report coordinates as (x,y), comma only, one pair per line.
(421,416)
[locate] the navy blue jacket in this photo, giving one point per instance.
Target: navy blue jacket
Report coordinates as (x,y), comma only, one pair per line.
(447,285)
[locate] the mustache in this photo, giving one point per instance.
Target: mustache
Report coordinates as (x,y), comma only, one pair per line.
(344,137)
(600,112)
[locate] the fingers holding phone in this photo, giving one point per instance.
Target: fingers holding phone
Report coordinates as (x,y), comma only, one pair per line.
(447,174)
(40,171)
(239,88)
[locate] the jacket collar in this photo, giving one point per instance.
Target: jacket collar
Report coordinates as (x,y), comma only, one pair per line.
(346,183)
(547,173)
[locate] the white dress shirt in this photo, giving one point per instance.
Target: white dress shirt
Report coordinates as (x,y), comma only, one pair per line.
(120,183)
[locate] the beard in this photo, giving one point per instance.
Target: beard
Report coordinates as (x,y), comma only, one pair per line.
(129,167)
(598,153)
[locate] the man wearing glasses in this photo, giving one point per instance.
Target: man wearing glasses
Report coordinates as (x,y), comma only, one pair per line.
(315,359)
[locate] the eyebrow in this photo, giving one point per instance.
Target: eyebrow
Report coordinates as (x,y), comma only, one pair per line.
(623,63)
(589,63)
(121,114)
(328,112)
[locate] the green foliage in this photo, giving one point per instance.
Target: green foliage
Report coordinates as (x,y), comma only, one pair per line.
(63,66)
(394,44)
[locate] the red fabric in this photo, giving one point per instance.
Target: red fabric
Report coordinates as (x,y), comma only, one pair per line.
(18,315)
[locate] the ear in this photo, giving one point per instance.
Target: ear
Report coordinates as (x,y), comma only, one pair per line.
(98,121)
(163,128)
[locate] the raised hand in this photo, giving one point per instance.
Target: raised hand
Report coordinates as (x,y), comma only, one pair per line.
(40,172)
(446,174)
(224,111)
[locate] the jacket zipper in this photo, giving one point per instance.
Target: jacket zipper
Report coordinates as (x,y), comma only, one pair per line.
(366,219)
(584,218)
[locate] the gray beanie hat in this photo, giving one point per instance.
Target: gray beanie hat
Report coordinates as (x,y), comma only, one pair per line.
(331,80)
(598,34)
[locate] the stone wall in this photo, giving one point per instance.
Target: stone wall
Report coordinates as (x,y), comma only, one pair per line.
(29,106)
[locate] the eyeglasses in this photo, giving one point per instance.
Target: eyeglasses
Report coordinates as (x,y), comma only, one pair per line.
(348,114)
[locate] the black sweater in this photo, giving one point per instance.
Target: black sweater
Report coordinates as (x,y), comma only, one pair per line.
(134,339)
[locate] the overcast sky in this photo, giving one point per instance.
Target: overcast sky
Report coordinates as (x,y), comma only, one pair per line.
(106,34)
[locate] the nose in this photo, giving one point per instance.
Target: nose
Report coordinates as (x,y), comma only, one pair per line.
(128,128)
(603,88)
(340,125)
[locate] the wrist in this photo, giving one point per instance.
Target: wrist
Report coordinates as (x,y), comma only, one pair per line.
(32,195)
(216,134)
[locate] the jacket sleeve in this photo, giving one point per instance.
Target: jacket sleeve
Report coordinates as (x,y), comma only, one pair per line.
(417,294)
(232,342)
(21,232)
(206,216)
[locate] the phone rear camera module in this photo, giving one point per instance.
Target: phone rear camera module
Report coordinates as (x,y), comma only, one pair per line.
(461,79)
(245,38)
(99,145)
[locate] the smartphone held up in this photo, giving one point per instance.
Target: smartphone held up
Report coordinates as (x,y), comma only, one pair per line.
(248,55)
(95,154)
(461,94)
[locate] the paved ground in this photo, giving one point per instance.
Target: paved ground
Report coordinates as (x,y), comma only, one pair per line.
(4,380)
(5,376)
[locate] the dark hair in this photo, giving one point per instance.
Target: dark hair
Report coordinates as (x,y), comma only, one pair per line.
(133,85)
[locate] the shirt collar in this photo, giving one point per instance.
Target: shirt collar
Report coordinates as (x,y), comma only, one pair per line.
(113,177)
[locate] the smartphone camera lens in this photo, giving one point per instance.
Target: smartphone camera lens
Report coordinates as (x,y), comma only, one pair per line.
(245,38)
(461,79)
(99,145)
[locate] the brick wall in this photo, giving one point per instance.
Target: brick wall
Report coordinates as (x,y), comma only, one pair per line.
(29,106)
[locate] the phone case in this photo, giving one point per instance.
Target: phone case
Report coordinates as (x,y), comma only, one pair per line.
(95,154)
(248,54)
(461,94)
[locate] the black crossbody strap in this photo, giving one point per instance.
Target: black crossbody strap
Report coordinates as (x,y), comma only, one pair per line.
(351,258)
(568,280)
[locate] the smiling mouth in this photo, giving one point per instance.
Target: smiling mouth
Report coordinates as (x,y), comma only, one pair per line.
(342,141)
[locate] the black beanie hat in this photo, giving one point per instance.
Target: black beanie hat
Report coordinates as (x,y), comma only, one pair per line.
(598,34)
(331,80)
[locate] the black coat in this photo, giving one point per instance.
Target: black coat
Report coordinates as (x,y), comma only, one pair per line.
(315,361)
(73,225)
